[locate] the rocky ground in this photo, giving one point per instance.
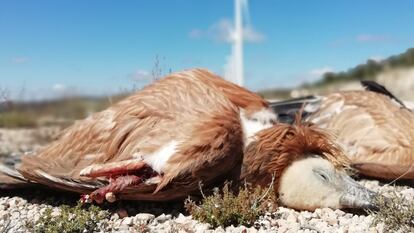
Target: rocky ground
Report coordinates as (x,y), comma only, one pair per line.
(18,141)
(20,208)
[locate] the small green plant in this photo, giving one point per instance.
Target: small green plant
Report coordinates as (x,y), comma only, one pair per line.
(395,212)
(224,208)
(70,220)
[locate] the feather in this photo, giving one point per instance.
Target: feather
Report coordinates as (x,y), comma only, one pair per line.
(373,130)
(9,176)
(277,147)
(286,110)
(378,88)
(194,111)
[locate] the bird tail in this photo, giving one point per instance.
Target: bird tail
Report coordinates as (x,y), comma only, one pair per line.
(36,170)
(9,177)
(288,110)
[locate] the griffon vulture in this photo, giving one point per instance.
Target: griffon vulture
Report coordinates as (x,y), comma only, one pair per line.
(193,126)
(375,128)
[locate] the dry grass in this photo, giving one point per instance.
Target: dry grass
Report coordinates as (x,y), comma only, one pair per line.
(224,208)
(396,212)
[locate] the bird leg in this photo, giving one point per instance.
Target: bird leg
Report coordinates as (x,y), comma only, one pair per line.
(113,168)
(115,185)
(120,174)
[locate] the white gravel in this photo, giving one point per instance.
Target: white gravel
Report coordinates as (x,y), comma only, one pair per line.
(16,211)
(17,141)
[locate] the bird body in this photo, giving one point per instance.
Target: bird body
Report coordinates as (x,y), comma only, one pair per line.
(189,127)
(180,128)
(376,132)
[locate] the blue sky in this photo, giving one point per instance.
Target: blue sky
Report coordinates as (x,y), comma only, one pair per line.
(100,47)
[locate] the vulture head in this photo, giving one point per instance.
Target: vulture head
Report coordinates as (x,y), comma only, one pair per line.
(307,167)
(314,182)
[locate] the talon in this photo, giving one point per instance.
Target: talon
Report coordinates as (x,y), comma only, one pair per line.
(110,197)
(85,198)
(153,180)
(119,177)
(115,186)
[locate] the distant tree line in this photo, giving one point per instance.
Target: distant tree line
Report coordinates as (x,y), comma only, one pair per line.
(369,70)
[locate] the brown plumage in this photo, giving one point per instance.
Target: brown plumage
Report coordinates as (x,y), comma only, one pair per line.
(376,132)
(277,147)
(192,126)
(193,115)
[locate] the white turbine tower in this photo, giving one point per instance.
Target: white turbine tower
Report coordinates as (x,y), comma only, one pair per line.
(234,67)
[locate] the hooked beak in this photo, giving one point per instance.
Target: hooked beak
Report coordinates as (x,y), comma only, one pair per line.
(357,196)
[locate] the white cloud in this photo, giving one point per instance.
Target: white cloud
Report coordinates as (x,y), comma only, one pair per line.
(365,38)
(376,58)
(62,90)
(251,35)
(59,87)
(222,31)
(320,71)
(139,75)
(19,59)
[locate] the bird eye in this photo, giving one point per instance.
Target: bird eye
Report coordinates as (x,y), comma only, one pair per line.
(322,175)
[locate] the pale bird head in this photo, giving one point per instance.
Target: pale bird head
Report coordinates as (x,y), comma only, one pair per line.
(314,182)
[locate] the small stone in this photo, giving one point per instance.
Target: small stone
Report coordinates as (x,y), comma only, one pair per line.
(306,215)
(181,219)
(162,218)
(272,223)
(143,218)
(332,220)
(230,228)
(3,214)
(317,213)
(55,212)
(203,227)
(14,202)
(219,230)
(291,218)
(128,221)
(282,229)
(339,212)
(342,230)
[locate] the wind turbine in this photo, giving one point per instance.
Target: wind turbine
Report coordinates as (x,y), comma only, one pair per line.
(234,68)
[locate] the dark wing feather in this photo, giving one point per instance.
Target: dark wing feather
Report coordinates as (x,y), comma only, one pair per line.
(286,110)
(378,88)
(9,176)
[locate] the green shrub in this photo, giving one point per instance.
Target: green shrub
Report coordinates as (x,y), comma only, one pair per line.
(223,208)
(395,212)
(70,220)
(15,119)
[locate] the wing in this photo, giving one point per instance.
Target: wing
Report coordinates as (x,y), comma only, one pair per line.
(168,110)
(239,96)
(9,177)
(212,154)
(374,130)
(376,87)
(287,110)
